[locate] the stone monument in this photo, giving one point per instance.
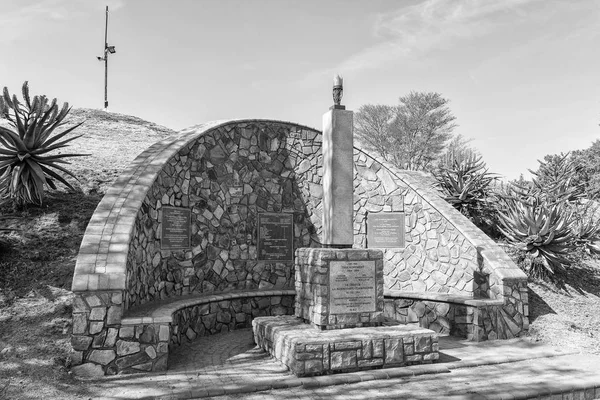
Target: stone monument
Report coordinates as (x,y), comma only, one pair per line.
(338,322)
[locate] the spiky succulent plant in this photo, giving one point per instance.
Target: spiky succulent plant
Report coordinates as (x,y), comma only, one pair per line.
(465,182)
(541,228)
(25,151)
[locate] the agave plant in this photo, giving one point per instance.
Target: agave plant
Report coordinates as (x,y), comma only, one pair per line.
(465,182)
(24,151)
(538,227)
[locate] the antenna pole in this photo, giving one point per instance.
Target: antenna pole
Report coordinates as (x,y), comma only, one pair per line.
(106,62)
(107,50)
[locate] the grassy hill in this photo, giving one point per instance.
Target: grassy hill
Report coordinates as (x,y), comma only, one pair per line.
(37,259)
(37,262)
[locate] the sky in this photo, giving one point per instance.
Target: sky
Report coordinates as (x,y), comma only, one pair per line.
(522,76)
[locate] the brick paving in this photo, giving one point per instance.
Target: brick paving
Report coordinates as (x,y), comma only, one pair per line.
(228,366)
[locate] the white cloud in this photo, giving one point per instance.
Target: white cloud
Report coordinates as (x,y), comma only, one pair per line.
(414,30)
(14,22)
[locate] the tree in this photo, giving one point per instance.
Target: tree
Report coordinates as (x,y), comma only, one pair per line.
(372,126)
(411,135)
(589,173)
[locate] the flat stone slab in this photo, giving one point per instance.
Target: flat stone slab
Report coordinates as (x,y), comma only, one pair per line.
(307,351)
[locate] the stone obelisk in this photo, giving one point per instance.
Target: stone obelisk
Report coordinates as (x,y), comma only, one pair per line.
(338,173)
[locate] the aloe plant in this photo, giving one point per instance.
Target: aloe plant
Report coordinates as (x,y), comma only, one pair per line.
(465,183)
(541,228)
(25,151)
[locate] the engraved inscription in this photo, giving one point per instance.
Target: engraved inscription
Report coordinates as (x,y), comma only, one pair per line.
(352,287)
(275,236)
(176,230)
(385,230)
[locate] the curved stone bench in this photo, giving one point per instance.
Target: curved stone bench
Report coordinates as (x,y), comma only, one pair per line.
(148,333)
(473,318)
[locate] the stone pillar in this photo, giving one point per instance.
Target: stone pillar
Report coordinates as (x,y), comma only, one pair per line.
(338,178)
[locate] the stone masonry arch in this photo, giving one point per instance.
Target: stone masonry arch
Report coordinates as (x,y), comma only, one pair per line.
(226,172)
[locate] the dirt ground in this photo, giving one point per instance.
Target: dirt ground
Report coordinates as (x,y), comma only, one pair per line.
(37,260)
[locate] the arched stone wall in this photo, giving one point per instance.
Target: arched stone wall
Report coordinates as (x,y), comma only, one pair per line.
(226,173)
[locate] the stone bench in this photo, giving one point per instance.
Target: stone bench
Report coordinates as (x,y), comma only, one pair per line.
(148,333)
(476,319)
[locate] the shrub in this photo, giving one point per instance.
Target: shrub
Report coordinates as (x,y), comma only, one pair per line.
(24,153)
(586,227)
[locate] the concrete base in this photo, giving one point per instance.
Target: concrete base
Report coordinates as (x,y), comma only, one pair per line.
(307,351)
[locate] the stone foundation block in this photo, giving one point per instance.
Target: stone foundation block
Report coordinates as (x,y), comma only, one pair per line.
(308,351)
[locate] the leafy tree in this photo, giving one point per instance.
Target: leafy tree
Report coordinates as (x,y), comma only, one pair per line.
(589,172)
(372,125)
(411,135)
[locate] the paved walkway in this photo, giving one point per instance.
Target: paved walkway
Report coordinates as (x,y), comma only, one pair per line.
(228,366)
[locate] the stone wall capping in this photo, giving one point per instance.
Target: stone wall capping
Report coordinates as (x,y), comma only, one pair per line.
(443,297)
(82,268)
(80,281)
(510,273)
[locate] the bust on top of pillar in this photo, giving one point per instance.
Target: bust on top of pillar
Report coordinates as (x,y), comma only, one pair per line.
(338,173)
(338,92)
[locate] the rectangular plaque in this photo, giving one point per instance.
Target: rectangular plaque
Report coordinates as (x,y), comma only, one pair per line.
(176,228)
(385,230)
(352,287)
(275,237)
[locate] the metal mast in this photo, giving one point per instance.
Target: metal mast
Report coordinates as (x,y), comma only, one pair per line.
(107,50)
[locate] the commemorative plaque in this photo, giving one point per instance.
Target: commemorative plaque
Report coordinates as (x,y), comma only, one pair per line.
(385,230)
(352,287)
(176,230)
(275,237)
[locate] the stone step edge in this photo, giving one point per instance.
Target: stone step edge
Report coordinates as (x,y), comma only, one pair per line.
(495,360)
